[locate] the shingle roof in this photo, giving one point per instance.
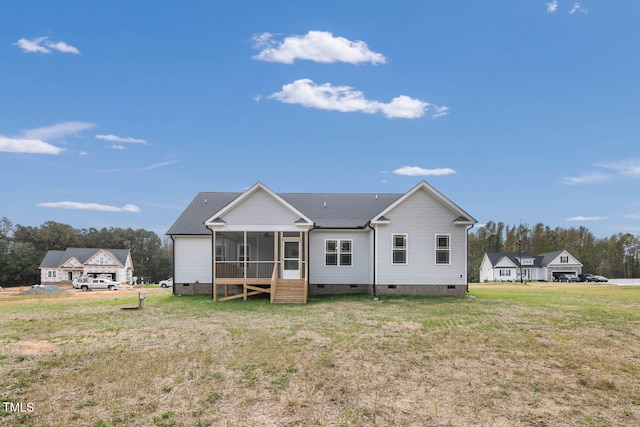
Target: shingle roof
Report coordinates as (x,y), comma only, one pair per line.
(205,204)
(327,210)
(541,260)
(494,257)
(546,258)
(54,259)
(339,210)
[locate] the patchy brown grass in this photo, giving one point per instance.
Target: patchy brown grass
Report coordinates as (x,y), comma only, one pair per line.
(537,355)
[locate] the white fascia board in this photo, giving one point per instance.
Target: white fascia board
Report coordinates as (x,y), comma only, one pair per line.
(257,186)
(505,262)
(423,184)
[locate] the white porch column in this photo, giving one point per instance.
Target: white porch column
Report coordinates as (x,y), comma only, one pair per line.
(214,288)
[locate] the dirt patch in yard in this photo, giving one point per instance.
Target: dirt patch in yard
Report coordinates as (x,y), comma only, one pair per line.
(34,348)
(16,295)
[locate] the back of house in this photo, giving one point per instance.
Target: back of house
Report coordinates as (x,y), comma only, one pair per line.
(258,241)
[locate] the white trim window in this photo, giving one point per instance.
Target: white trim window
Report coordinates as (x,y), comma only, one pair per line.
(338,252)
(564,260)
(52,274)
(221,252)
(399,243)
(504,273)
(244,252)
(443,249)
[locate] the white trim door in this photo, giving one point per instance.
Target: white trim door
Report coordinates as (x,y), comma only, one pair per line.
(291,259)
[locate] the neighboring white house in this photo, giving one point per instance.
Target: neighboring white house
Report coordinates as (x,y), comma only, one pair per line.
(261,241)
(506,266)
(64,266)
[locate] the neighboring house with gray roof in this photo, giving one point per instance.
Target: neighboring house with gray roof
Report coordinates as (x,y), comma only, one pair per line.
(234,245)
(67,265)
(506,266)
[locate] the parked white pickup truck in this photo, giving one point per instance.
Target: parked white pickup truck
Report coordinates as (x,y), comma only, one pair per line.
(89,284)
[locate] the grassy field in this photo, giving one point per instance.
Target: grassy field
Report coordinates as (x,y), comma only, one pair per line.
(508,355)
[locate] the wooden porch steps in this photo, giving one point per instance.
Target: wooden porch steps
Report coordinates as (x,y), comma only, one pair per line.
(290,291)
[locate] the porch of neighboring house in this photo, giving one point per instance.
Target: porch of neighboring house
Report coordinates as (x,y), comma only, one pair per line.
(249,263)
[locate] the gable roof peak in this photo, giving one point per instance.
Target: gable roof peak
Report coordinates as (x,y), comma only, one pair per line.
(463,217)
(214,219)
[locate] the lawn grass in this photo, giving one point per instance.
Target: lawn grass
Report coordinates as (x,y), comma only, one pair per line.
(508,355)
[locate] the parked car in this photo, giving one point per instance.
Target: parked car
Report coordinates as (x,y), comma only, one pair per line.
(568,278)
(89,284)
(598,278)
(166,283)
(585,277)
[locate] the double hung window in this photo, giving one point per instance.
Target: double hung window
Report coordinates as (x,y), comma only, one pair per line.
(338,252)
(443,249)
(399,249)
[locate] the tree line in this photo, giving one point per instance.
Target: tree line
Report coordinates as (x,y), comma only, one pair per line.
(616,256)
(22,249)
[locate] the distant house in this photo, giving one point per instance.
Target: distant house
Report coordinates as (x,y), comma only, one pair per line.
(506,266)
(234,245)
(64,266)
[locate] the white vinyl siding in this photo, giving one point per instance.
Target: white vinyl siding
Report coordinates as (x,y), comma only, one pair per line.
(421,216)
(361,269)
(192,259)
(260,212)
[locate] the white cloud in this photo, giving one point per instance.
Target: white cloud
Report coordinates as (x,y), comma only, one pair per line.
(117,147)
(577,9)
(632,216)
(32,46)
(63,47)
(57,131)
(552,6)
(31,146)
(317,46)
(90,207)
(585,179)
(160,165)
(587,218)
(114,138)
(44,45)
(34,140)
(418,171)
(627,168)
(439,111)
(345,99)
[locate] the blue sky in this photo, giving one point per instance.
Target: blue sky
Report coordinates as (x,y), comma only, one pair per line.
(116,114)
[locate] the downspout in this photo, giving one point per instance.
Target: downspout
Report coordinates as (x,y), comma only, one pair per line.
(173,263)
(373,286)
(213,261)
(313,227)
(467,272)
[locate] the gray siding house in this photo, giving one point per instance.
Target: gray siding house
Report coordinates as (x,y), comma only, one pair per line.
(290,245)
(70,264)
